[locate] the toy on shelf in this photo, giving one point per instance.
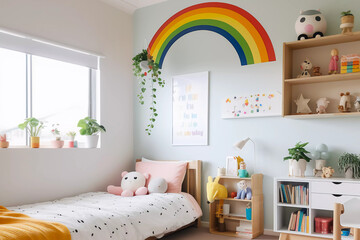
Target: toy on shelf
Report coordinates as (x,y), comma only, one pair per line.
(215,190)
(347,22)
(233,194)
(327,172)
(302,105)
(322,104)
(221,171)
(333,65)
(248,211)
(320,155)
(3,142)
(310,24)
(132,183)
(219,215)
(357,104)
(305,66)
(316,71)
(243,173)
(345,104)
(243,191)
(350,63)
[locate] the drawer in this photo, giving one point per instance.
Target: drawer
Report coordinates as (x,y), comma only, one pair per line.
(336,188)
(327,201)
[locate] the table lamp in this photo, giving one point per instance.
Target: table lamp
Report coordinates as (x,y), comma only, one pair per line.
(241,144)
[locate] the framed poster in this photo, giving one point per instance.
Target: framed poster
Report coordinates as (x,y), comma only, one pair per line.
(260,104)
(190,98)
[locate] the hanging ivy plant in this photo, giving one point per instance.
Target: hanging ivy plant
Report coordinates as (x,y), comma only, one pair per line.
(145,69)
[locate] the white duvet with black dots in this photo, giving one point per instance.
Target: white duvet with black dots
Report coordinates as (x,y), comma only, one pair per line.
(101,216)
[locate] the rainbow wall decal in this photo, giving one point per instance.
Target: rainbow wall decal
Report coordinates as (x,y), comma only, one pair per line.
(239,27)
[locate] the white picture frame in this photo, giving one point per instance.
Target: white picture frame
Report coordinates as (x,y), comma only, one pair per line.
(190,103)
(231,166)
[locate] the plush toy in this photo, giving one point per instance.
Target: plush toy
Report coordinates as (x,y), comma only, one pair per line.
(345,104)
(310,24)
(132,183)
(157,185)
(215,190)
(322,104)
(305,66)
(357,104)
(243,191)
(327,172)
(316,71)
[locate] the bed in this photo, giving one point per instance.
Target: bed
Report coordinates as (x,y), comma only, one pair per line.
(100,215)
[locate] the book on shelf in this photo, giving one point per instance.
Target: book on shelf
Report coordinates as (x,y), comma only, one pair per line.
(294,194)
(299,221)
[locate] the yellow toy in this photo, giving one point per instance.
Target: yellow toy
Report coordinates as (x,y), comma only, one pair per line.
(215,190)
(239,161)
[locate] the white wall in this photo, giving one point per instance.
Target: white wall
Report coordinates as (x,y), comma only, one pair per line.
(206,51)
(32,175)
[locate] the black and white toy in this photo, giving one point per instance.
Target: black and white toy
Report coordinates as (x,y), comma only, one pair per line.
(305,66)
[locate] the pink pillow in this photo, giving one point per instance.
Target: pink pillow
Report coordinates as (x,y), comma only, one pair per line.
(172,172)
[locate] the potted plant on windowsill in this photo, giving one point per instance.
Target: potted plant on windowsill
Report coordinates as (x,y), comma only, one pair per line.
(145,68)
(71,135)
(33,126)
(3,142)
(90,129)
(297,160)
(350,164)
(57,143)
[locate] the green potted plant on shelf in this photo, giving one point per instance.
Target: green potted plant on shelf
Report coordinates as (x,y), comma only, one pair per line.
(71,135)
(298,160)
(90,129)
(145,68)
(57,143)
(33,126)
(3,142)
(350,164)
(347,21)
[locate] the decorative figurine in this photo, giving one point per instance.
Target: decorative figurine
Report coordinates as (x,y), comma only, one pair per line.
(316,71)
(333,65)
(322,104)
(357,104)
(305,66)
(3,142)
(327,172)
(243,173)
(345,104)
(243,191)
(310,24)
(302,105)
(320,155)
(347,22)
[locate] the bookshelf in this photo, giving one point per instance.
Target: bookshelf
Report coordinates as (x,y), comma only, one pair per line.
(237,209)
(323,194)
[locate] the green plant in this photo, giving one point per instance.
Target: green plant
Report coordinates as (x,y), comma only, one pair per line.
(55,131)
(350,161)
(347,13)
(32,125)
(298,152)
(71,134)
(90,127)
(153,73)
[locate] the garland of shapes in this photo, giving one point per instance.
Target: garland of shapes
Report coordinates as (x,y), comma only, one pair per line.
(238,26)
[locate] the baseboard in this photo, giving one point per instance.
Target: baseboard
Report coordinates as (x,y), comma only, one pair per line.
(268,232)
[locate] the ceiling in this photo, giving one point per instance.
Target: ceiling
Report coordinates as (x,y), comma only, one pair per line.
(130,6)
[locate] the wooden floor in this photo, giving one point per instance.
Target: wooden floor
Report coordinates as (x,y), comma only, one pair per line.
(203,233)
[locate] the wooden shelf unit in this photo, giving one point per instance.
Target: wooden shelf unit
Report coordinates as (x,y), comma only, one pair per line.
(323,193)
(313,47)
(238,206)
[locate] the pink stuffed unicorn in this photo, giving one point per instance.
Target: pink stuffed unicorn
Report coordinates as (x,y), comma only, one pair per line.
(132,183)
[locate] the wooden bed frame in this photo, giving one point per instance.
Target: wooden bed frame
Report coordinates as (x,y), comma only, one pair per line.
(192,186)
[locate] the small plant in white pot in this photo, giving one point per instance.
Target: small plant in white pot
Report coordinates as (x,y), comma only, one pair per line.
(350,164)
(57,143)
(297,160)
(90,129)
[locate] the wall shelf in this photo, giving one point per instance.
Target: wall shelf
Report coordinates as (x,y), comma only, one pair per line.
(330,86)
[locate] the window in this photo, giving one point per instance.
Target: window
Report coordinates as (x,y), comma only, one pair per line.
(53,91)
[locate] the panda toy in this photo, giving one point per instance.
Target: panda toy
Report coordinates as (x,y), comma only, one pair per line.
(305,66)
(310,24)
